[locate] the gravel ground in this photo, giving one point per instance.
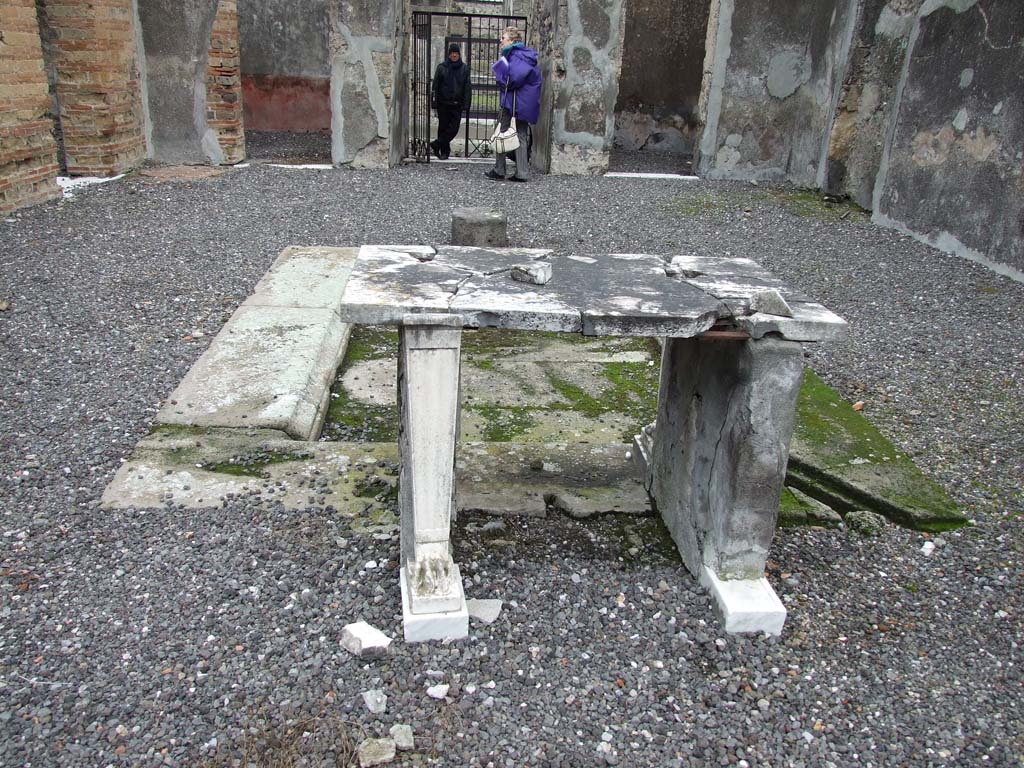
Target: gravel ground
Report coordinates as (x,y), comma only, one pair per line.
(175,637)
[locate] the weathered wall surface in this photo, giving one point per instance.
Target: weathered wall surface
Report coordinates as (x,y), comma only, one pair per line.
(224,84)
(952,170)
(286,64)
(176,35)
(98,88)
(28,155)
(364,39)
(866,105)
(773,73)
(662,66)
(582,81)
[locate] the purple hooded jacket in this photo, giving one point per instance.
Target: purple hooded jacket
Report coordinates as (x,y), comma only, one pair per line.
(519,68)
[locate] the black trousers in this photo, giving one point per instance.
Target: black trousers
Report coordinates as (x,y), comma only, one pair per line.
(449,120)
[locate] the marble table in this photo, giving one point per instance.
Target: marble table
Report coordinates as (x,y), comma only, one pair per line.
(715,459)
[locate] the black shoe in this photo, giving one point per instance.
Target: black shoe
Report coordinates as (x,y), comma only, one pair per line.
(445,155)
(516,178)
(436,150)
(493,176)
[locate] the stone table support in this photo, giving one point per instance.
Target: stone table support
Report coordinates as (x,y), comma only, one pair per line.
(433,603)
(714,461)
(717,462)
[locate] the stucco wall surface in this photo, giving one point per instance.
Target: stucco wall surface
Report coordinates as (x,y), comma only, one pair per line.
(584,84)
(364,41)
(775,70)
(952,171)
(176,36)
(866,106)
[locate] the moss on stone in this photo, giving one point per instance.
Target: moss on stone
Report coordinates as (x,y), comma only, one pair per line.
(503,424)
(252,464)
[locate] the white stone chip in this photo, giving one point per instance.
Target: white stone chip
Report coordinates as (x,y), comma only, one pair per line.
(438,691)
(770,302)
(535,273)
(376,752)
(376,701)
(484,611)
(402,734)
(928,547)
(363,640)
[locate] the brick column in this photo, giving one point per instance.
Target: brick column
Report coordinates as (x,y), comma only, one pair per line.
(98,85)
(224,84)
(28,155)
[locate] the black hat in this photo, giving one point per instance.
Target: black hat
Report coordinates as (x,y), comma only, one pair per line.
(453,48)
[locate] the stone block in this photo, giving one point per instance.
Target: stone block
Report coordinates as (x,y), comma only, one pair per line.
(364,640)
(305,276)
(745,605)
(443,625)
(480,227)
(269,367)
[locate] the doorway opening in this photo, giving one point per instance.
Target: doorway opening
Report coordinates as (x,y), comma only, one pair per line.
(478,36)
(657,123)
(286,81)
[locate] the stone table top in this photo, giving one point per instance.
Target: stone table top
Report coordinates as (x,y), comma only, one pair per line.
(618,294)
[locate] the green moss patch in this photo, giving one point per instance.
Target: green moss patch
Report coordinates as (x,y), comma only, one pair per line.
(252,464)
(838,457)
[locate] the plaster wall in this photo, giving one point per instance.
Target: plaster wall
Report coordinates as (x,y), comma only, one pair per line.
(365,40)
(286,64)
(176,36)
(866,105)
(582,82)
(951,172)
(772,74)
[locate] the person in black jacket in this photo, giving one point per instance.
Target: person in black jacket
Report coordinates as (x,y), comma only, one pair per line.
(451,94)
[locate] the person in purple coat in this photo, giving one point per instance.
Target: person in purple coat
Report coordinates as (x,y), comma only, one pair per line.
(519,78)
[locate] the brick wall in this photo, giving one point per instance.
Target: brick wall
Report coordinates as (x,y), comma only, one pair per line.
(98,85)
(28,155)
(224,83)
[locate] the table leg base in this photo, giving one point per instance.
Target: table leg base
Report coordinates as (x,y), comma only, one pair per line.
(745,605)
(443,625)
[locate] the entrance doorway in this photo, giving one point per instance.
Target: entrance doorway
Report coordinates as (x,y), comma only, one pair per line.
(656,117)
(478,36)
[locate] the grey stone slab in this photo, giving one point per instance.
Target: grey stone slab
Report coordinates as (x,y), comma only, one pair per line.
(502,302)
(305,276)
(488,261)
(810,322)
(388,283)
(617,294)
(717,265)
(269,367)
(738,289)
(630,295)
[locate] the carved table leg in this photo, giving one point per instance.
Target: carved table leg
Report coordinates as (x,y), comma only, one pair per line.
(433,603)
(718,454)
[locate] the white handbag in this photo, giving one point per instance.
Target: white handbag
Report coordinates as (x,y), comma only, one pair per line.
(507,140)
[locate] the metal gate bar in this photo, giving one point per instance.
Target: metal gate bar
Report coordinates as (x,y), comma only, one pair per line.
(478,35)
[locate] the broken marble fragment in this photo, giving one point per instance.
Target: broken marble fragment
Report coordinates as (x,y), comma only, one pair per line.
(770,302)
(438,691)
(535,273)
(363,640)
(484,611)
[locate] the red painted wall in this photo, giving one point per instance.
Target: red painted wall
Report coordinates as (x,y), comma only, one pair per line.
(282,103)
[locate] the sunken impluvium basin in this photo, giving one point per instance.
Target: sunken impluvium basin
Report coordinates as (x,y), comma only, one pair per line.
(546,421)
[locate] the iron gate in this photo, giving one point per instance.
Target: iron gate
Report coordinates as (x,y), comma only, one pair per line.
(479,37)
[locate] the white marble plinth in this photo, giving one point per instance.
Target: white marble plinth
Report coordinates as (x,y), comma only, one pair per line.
(745,605)
(443,625)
